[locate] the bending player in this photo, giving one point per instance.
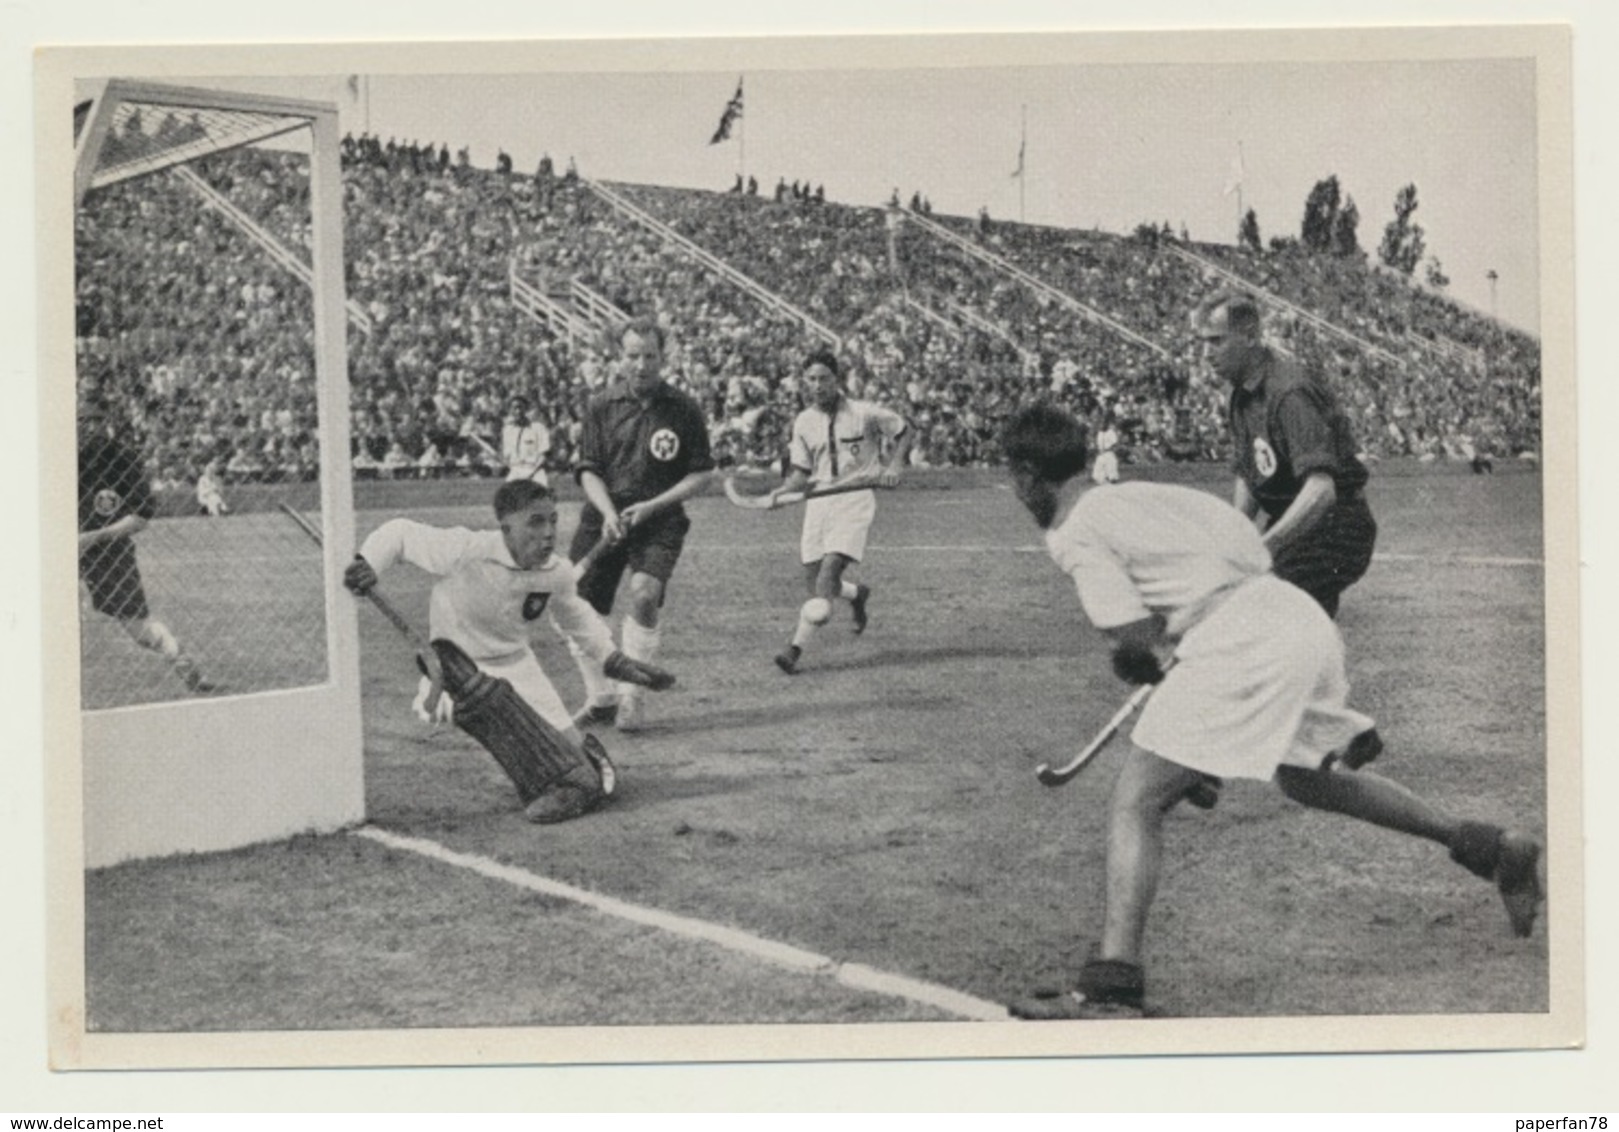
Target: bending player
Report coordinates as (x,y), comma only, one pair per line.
(643,452)
(492,587)
(115,504)
(837,439)
(1257,690)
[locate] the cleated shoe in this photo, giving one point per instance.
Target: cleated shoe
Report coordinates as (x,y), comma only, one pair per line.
(861,596)
(1517,876)
(787,660)
(596,715)
(194,679)
(606,773)
(1205,793)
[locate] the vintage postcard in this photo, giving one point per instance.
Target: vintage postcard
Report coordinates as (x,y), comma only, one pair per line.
(783,549)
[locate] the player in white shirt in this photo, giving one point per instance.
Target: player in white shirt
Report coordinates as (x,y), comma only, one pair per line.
(492,587)
(1256,689)
(837,439)
(524,443)
(1105,469)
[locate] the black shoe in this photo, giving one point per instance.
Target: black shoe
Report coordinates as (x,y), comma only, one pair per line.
(862,594)
(596,715)
(1517,877)
(788,661)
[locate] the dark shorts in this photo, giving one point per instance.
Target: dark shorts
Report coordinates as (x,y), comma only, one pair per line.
(652,548)
(114,580)
(1334,556)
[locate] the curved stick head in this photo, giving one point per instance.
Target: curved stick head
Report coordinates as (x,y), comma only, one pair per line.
(751,502)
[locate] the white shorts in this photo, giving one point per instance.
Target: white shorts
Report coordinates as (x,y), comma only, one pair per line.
(1259,684)
(837,525)
(527,678)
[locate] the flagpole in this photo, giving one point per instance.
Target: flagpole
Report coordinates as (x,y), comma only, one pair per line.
(742,138)
(1023,171)
(1242,167)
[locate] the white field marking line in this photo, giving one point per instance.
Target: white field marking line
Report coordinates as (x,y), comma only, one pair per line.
(855,975)
(1434,559)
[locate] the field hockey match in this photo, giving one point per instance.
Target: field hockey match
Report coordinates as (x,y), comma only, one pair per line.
(566,557)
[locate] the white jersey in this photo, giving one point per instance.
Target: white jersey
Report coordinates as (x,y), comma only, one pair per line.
(523,449)
(482,600)
(848,443)
(1136,549)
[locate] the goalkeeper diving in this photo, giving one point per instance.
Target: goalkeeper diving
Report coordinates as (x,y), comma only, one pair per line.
(492,587)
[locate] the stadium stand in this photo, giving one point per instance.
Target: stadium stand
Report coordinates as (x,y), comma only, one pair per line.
(196,319)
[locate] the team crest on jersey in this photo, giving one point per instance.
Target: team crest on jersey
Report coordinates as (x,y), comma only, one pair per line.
(1264,458)
(664,445)
(107,502)
(534,605)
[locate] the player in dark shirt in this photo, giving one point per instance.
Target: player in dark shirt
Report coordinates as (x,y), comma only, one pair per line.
(115,503)
(643,451)
(1293,453)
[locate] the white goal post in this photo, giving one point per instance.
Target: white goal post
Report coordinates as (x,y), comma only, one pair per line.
(257,757)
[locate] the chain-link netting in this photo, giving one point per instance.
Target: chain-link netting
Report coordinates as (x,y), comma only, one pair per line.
(197,413)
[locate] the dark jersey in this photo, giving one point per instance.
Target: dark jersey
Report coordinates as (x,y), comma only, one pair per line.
(112,484)
(1285,428)
(640,452)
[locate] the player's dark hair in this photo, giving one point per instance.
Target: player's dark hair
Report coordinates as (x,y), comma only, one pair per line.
(824,358)
(643,328)
(1047,440)
(514,495)
(1241,312)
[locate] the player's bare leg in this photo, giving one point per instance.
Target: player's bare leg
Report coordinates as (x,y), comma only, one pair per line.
(1112,985)
(1511,860)
(601,693)
(640,639)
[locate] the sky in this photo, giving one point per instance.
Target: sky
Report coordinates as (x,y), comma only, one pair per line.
(1105,146)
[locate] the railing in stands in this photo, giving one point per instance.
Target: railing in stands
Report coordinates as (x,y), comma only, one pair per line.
(1040,286)
(751,286)
(277,251)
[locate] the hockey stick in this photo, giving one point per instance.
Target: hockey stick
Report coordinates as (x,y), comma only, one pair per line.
(1057,775)
(768,502)
(424,651)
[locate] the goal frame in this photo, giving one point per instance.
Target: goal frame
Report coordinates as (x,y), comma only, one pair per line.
(217,773)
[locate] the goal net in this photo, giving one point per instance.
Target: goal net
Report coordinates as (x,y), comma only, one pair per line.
(218,671)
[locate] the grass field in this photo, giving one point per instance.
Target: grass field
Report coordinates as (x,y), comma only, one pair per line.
(880,808)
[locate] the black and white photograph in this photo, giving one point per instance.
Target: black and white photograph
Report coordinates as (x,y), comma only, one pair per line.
(811,548)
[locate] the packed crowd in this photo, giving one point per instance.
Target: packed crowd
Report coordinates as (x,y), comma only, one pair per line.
(208,343)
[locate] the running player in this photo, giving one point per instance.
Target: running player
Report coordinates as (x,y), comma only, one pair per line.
(492,586)
(837,439)
(1294,455)
(1256,690)
(643,452)
(115,504)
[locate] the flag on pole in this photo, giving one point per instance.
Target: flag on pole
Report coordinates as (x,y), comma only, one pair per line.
(1235,182)
(354,87)
(1018,172)
(733,111)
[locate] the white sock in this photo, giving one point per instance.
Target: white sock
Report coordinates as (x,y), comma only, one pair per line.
(158,638)
(640,643)
(805,630)
(598,688)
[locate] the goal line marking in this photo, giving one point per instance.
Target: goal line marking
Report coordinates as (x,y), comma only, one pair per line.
(857,976)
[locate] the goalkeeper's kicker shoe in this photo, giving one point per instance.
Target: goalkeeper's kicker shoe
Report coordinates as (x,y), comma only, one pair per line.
(862,594)
(572,796)
(787,659)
